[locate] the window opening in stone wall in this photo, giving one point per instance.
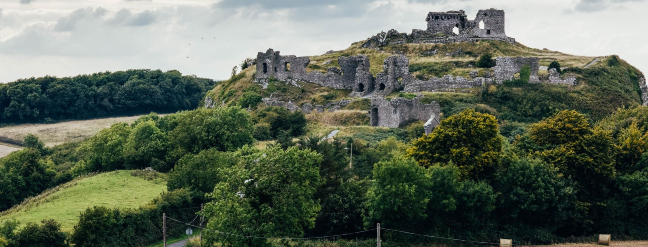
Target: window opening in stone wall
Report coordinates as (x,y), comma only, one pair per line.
(275,69)
(455,30)
(287,65)
(265,68)
(481,25)
(488,31)
(400,80)
(360,87)
(436,17)
(381,87)
(374,117)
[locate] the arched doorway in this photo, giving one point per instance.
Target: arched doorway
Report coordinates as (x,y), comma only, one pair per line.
(374,117)
(381,87)
(360,87)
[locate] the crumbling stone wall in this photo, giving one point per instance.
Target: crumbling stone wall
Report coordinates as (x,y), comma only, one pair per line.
(493,24)
(506,67)
(287,68)
(447,82)
(398,111)
(445,22)
(554,78)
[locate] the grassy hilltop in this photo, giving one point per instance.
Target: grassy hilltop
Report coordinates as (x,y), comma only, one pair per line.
(606,84)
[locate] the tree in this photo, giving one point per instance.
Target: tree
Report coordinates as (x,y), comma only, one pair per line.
(534,198)
(48,234)
(105,150)
(281,119)
(201,172)
(469,139)
(146,146)
(634,192)
(631,143)
(486,61)
(273,198)
(97,226)
(399,195)
(223,128)
(554,65)
(32,141)
(564,127)
(23,174)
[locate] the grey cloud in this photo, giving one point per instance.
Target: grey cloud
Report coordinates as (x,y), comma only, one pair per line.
(598,5)
(68,23)
(285,4)
(0,13)
(591,5)
(126,18)
(26,1)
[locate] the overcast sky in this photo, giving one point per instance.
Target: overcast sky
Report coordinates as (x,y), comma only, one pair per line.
(207,38)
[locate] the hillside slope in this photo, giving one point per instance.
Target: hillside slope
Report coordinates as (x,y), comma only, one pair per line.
(604,83)
(119,189)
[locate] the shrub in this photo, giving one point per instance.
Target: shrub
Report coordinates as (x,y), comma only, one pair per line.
(249,100)
(281,119)
(486,61)
(262,132)
(555,65)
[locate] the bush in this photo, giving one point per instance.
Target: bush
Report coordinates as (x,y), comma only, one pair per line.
(101,226)
(262,132)
(281,119)
(249,100)
(555,65)
(486,61)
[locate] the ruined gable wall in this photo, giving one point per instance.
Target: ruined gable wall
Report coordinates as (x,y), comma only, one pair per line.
(507,67)
(554,78)
(445,22)
(493,21)
(398,111)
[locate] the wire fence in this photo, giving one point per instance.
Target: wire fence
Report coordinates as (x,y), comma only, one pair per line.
(190,224)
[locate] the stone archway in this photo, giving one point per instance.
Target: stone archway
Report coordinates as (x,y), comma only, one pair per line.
(381,86)
(374,116)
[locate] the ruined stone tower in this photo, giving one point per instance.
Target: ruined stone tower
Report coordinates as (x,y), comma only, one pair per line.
(489,23)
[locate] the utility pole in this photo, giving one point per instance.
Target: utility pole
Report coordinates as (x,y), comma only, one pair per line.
(202,218)
(378,234)
(164,228)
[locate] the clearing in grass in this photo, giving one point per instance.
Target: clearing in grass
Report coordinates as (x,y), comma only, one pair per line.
(118,189)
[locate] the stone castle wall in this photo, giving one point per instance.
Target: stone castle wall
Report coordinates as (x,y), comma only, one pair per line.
(398,111)
(507,67)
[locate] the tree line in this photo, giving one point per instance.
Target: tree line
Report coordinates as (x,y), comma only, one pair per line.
(104,94)
(561,177)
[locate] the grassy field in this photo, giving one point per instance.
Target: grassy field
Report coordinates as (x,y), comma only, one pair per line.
(613,243)
(54,134)
(64,203)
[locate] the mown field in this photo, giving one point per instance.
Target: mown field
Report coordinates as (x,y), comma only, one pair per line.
(58,133)
(118,189)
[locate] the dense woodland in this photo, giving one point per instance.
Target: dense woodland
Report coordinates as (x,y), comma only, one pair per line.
(557,180)
(105,94)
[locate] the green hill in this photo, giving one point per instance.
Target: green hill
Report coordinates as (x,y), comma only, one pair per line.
(119,189)
(604,83)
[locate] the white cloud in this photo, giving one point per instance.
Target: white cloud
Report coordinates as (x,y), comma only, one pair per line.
(69,37)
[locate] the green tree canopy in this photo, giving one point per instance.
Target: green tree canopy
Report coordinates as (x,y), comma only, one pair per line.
(272,198)
(146,145)
(469,139)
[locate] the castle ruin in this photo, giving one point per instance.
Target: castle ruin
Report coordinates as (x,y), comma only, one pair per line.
(353,72)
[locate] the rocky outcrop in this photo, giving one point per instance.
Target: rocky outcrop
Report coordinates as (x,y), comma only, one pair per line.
(554,78)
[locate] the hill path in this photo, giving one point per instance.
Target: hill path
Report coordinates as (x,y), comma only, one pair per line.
(592,62)
(178,244)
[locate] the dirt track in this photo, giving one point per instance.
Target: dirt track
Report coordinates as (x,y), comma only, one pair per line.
(5,150)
